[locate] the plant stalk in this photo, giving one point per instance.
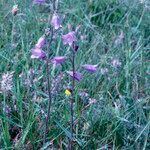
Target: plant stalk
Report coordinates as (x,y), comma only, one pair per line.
(48,82)
(72,101)
(50,100)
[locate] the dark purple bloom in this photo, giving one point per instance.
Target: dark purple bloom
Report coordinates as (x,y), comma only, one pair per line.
(56,21)
(75,47)
(39,1)
(90,68)
(69,38)
(41,42)
(58,59)
(38,53)
(77,76)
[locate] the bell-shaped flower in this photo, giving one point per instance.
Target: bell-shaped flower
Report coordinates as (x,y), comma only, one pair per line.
(69,38)
(41,42)
(76,75)
(90,68)
(58,60)
(56,21)
(38,53)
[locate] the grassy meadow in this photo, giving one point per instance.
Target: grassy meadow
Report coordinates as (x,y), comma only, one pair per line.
(111,107)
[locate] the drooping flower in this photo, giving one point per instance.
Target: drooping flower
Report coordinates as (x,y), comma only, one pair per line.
(39,1)
(90,68)
(69,38)
(41,42)
(56,21)
(15,10)
(76,75)
(38,53)
(58,59)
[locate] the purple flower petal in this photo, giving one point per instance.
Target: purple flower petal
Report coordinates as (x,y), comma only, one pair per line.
(38,53)
(58,59)
(39,1)
(77,76)
(90,68)
(41,42)
(69,38)
(56,21)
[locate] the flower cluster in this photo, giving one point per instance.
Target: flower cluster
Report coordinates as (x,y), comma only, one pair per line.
(53,84)
(68,39)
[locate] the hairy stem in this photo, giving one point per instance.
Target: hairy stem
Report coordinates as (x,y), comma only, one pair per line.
(72,101)
(50,100)
(48,83)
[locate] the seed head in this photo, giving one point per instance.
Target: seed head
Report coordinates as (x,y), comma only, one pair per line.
(7,82)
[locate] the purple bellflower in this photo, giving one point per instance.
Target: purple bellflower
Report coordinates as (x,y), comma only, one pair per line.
(58,60)
(90,68)
(41,42)
(56,21)
(38,53)
(69,38)
(77,76)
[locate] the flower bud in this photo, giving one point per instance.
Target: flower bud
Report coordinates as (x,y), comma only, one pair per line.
(56,21)
(15,10)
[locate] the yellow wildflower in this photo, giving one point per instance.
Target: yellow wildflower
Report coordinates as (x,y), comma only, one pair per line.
(67,92)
